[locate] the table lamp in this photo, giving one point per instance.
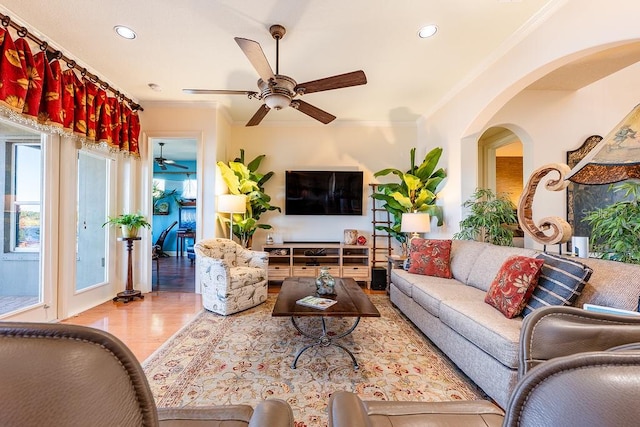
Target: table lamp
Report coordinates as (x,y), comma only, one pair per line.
(415,223)
(232,203)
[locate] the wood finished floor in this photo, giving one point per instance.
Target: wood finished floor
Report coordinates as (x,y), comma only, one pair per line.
(144,325)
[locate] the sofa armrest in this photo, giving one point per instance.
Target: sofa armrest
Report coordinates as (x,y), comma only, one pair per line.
(557,331)
(255,259)
(204,415)
(268,413)
(346,409)
(272,413)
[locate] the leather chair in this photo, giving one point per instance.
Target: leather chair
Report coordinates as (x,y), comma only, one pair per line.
(232,278)
(68,375)
(158,246)
(580,368)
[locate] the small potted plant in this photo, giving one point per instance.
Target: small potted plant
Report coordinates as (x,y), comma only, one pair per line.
(129,224)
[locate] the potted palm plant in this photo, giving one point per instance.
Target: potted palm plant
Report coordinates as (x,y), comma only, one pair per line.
(490,218)
(128,223)
(245,179)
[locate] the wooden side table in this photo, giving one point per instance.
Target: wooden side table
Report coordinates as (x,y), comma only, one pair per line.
(129,293)
(181,237)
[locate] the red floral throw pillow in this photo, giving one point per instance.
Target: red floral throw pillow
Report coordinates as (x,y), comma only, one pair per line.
(514,284)
(431,257)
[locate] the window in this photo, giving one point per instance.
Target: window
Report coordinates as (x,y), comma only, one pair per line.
(23,188)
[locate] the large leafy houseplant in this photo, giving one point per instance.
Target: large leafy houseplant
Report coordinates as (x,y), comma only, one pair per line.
(415,191)
(615,232)
(245,179)
(488,219)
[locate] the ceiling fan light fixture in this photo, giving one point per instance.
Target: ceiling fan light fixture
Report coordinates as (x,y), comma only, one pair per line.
(427,31)
(277,101)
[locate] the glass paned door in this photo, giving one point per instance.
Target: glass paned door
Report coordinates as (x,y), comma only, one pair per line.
(91,250)
(21,286)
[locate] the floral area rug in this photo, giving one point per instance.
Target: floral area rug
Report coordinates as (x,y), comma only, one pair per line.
(247,357)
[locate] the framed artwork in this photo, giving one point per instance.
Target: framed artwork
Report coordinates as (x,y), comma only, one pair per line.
(161,208)
(187,218)
(582,198)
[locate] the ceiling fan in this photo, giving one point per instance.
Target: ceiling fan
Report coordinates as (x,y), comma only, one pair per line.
(163,163)
(278,91)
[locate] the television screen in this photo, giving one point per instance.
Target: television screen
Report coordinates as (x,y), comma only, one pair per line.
(323,193)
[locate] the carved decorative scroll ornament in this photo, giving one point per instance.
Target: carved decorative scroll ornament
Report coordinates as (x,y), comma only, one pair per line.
(552,229)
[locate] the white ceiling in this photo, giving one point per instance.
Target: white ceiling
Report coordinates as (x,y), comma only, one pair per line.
(189,44)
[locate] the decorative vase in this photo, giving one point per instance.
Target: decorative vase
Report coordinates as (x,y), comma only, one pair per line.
(129,232)
(325,283)
(350,237)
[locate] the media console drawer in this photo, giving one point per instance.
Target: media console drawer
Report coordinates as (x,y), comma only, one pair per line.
(304,271)
(277,272)
(355,272)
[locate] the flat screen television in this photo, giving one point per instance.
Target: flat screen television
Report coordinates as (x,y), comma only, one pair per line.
(323,193)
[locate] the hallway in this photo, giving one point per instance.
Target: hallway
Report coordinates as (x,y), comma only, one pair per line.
(177,274)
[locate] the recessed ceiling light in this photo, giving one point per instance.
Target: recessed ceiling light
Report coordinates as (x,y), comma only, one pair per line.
(125,32)
(155,87)
(427,31)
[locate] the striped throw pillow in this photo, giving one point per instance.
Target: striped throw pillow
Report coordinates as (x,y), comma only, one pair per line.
(561,281)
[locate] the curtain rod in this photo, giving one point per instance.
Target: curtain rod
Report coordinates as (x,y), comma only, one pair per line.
(56,54)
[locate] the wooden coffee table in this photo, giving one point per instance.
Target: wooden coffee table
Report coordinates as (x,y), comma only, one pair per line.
(352,302)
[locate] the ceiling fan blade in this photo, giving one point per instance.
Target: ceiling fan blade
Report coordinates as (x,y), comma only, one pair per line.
(162,166)
(354,78)
(255,54)
(313,112)
(174,164)
(258,116)
(219,92)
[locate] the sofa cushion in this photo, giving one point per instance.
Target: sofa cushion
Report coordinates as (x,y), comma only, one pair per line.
(513,285)
(560,283)
(403,280)
(430,293)
(485,327)
(489,261)
(463,255)
(431,257)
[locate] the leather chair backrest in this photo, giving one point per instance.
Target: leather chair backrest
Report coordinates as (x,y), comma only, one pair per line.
(68,375)
(587,389)
(163,235)
(556,331)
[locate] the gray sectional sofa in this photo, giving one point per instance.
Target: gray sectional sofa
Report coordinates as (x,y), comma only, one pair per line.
(478,338)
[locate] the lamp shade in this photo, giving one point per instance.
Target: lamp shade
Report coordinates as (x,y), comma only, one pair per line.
(232,203)
(415,223)
(615,158)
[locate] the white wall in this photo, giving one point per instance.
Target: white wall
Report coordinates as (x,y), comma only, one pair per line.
(548,123)
(368,147)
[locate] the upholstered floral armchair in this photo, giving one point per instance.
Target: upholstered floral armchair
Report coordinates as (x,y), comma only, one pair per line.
(233,278)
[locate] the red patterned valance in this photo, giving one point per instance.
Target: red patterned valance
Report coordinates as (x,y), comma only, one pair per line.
(40,91)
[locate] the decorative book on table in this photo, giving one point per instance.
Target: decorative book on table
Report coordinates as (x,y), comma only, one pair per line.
(316,302)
